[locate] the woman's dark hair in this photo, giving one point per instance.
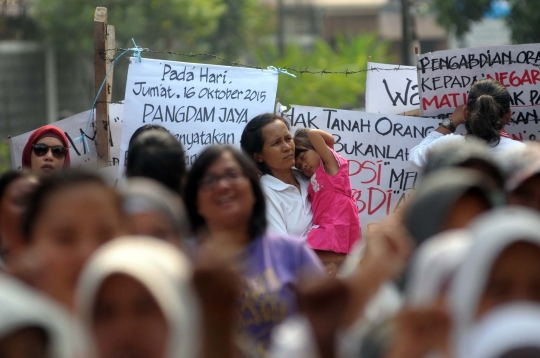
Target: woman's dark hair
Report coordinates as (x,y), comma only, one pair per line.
(257,223)
(157,155)
(522,352)
(146,127)
(8,178)
(52,184)
(301,141)
(252,140)
(487,104)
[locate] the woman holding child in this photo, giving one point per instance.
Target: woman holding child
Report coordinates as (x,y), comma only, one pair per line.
(266,139)
(321,184)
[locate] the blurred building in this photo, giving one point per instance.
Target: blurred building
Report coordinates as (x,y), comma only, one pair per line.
(491,31)
(38,85)
(306,20)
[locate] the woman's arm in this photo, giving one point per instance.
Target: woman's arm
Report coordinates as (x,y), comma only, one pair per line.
(322,142)
(324,304)
(387,249)
(214,274)
(418,154)
(457,118)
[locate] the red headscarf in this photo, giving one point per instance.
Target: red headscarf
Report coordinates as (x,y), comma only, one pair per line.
(37,135)
(505,134)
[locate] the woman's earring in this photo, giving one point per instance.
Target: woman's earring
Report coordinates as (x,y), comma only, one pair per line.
(257,158)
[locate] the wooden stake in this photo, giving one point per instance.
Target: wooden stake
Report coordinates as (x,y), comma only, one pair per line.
(111,43)
(275,105)
(101,45)
(412,113)
(416,50)
(369,59)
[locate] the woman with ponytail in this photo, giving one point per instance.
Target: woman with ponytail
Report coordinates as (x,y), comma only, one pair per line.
(486,113)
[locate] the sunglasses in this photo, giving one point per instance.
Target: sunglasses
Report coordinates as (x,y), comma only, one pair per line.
(41,150)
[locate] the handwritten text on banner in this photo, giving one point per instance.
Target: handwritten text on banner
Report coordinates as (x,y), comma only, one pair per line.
(199,104)
(445,77)
(391,88)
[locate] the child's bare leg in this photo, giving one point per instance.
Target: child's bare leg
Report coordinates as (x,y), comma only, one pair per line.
(332,261)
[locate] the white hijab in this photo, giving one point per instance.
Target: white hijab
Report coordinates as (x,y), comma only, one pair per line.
(492,233)
(22,307)
(516,325)
(143,195)
(163,270)
(435,262)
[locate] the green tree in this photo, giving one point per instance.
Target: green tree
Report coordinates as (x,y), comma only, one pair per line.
(241,27)
(162,24)
(523,20)
(226,27)
(458,15)
(5,160)
(335,90)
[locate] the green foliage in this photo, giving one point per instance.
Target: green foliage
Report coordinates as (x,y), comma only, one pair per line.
(458,15)
(226,27)
(241,26)
(5,160)
(523,20)
(163,24)
(336,91)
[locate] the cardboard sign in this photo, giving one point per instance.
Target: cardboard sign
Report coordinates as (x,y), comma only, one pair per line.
(199,104)
(391,89)
(377,147)
(445,77)
(73,127)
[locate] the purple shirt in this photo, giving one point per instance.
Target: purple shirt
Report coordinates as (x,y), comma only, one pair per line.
(273,266)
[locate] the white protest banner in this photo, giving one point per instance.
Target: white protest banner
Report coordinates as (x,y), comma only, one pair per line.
(199,104)
(73,127)
(445,77)
(377,147)
(391,88)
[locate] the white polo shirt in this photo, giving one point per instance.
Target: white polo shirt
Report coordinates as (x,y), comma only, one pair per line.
(288,210)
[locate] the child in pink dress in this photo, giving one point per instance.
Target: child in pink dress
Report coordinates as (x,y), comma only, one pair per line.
(336,226)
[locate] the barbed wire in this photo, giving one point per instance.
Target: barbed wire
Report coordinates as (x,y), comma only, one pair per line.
(306,70)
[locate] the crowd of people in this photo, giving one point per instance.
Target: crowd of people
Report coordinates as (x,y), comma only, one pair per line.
(259,252)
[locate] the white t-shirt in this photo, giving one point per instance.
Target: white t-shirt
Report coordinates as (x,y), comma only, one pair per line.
(288,210)
(418,155)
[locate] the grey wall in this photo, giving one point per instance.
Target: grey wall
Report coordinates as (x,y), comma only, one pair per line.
(39,86)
